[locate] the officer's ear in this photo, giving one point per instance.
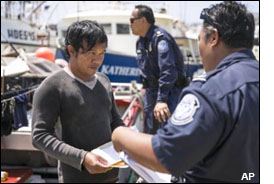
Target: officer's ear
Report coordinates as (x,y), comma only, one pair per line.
(214,38)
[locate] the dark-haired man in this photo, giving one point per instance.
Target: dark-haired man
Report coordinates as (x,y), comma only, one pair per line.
(161,65)
(213,135)
(82,100)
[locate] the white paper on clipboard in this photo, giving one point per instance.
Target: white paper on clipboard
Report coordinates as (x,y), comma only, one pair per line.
(147,174)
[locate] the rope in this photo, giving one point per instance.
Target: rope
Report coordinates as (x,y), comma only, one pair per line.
(28,92)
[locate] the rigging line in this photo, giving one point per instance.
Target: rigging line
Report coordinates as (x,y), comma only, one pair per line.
(19,91)
(11,98)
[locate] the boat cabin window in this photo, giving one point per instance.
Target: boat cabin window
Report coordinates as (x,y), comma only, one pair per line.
(107,28)
(122,28)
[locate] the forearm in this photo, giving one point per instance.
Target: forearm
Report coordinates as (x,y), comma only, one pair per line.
(166,83)
(50,144)
(138,146)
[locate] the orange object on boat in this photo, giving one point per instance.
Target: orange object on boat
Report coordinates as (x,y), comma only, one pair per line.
(46,53)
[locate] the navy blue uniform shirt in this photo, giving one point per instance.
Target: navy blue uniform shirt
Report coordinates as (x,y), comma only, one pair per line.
(213,135)
(159,56)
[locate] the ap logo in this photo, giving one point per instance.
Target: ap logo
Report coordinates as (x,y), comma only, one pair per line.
(247,176)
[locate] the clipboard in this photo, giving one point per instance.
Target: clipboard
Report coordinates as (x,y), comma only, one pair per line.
(147,174)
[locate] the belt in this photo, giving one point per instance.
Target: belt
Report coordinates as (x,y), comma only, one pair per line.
(152,82)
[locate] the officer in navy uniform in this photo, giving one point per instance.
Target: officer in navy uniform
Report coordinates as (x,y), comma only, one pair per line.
(213,135)
(161,65)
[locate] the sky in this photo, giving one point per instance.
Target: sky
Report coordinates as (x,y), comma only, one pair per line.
(189,11)
(186,11)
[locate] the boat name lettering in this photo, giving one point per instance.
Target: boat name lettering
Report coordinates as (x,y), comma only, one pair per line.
(21,34)
(120,70)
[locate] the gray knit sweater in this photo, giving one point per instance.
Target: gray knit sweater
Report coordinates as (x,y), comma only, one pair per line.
(87,119)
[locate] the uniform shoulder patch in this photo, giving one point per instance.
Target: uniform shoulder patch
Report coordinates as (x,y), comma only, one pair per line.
(185,110)
(163,46)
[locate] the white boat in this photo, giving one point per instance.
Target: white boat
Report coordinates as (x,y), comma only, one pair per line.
(22,31)
(120,63)
(22,35)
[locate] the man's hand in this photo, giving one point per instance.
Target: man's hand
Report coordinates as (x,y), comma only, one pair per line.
(95,164)
(161,112)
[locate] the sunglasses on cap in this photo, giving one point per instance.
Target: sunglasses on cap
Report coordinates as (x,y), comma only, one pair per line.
(133,19)
(204,15)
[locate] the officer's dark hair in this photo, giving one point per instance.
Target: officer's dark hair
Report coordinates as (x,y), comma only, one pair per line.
(145,11)
(86,30)
(234,23)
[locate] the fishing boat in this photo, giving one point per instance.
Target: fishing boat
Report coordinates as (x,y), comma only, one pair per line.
(120,63)
(21,28)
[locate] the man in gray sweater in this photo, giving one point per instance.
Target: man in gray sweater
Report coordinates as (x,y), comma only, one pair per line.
(82,101)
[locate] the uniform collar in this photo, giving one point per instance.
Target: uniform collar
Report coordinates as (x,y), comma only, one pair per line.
(231,59)
(150,32)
